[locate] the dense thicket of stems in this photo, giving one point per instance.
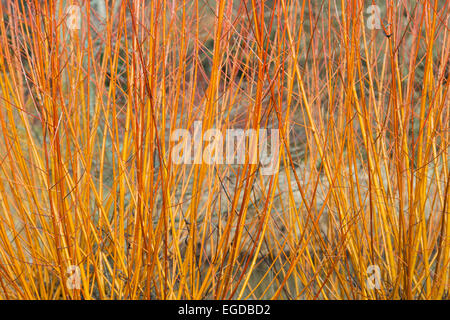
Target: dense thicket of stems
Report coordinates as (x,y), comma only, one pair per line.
(87,179)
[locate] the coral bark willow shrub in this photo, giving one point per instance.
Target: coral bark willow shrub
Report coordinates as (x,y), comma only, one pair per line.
(92,204)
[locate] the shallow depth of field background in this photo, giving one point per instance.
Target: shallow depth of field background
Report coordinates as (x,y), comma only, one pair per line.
(93,207)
